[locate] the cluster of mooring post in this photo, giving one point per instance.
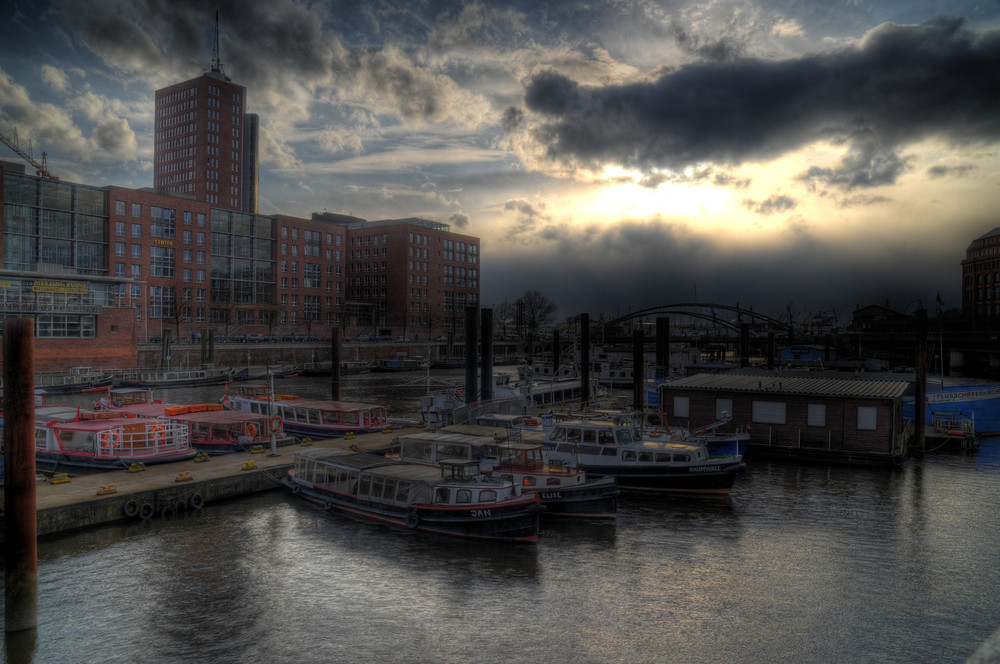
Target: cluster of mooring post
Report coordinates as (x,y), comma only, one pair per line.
(920,393)
(20,524)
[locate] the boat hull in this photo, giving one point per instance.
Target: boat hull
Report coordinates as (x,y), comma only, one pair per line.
(86,464)
(73,388)
(976,403)
(163,384)
(219,447)
(595,498)
(711,478)
(513,522)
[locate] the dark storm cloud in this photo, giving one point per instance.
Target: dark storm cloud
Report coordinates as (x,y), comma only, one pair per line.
(643,263)
(944,171)
(529,218)
(512,118)
(899,84)
(459,220)
(772,205)
(720,49)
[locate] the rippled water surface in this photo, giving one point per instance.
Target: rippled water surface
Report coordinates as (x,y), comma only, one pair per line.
(798,564)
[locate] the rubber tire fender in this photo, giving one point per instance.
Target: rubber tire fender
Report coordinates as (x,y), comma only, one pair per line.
(131,508)
(196,501)
(146,511)
(412,519)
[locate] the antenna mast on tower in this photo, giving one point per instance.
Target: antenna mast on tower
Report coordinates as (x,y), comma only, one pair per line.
(216,60)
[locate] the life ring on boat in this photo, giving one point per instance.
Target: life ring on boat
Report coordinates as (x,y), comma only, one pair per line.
(275,423)
(146,511)
(251,429)
(460,394)
(412,519)
(531,422)
(328,505)
(296,488)
(158,433)
(111,438)
(196,501)
(130,508)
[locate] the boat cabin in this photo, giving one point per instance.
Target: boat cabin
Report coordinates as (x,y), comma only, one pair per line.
(377,479)
(594,433)
(129,396)
(430,449)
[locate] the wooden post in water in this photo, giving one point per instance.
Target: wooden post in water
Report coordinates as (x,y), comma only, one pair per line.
(744,345)
(920,391)
(584,359)
(471,393)
(335,367)
(556,352)
(20,519)
(486,357)
(662,348)
(637,370)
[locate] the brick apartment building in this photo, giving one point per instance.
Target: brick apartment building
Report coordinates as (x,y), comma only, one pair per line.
(981,278)
(101,268)
(205,143)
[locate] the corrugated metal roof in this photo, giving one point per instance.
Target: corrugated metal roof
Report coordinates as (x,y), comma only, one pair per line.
(860,388)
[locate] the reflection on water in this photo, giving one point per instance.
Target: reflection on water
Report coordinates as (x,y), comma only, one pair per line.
(803,564)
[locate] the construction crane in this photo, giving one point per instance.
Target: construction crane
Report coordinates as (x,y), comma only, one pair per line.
(42,168)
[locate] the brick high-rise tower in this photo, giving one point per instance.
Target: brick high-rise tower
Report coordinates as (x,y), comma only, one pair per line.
(202,145)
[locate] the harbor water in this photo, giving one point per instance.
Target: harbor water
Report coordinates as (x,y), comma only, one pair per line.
(798,564)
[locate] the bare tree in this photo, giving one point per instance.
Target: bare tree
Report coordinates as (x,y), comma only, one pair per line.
(504,314)
(536,311)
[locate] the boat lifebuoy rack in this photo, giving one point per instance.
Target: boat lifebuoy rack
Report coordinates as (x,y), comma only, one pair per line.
(158,433)
(251,429)
(275,424)
(111,438)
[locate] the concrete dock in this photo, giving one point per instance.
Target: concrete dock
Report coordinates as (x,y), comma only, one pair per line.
(163,490)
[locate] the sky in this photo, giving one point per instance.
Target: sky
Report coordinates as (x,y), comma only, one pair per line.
(799,155)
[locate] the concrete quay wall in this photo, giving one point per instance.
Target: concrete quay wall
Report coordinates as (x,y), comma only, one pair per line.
(163,490)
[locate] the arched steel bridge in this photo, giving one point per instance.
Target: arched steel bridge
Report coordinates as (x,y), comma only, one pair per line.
(705,311)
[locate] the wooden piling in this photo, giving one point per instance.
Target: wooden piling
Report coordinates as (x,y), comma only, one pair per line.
(584,359)
(20,521)
(638,397)
(335,367)
(920,387)
(486,356)
(471,353)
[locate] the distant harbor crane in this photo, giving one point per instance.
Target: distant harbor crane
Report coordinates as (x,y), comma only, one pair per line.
(41,168)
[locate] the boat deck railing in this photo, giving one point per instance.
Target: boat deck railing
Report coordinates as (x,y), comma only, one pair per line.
(143,440)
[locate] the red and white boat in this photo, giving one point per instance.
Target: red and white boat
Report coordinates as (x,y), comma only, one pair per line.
(313,418)
(71,440)
(213,429)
